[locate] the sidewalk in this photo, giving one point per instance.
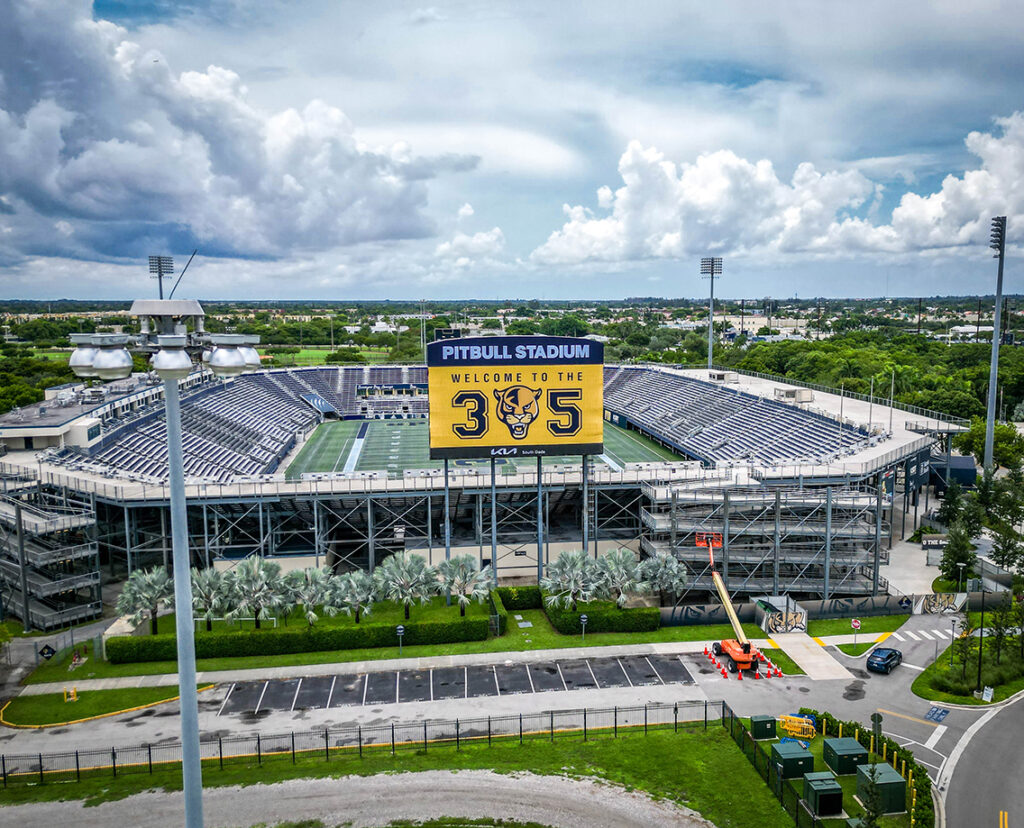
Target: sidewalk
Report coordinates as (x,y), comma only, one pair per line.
(384,665)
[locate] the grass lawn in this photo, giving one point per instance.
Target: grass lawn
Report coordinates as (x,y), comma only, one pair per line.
(784,662)
(940,584)
(541,636)
(318,356)
(50,708)
(841,626)
(686,767)
(922,685)
(857,649)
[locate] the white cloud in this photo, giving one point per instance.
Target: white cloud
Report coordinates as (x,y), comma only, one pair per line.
(723,203)
(102,133)
(465,211)
(430,14)
(486,244)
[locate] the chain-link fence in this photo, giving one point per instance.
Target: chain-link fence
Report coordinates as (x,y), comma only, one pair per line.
(331,744)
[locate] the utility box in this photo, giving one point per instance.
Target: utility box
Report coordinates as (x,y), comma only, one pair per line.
(844,755)
(795,760)
(762,727)
(892,788)
(823,793)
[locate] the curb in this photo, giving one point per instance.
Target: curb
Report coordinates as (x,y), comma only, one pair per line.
(6,723)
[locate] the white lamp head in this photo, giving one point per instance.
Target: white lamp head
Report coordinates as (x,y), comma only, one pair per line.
(172,362)
(112,361)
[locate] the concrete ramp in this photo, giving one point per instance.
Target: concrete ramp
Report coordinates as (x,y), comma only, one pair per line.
(811,656)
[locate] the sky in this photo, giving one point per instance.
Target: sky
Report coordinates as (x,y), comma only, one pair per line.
(319,149)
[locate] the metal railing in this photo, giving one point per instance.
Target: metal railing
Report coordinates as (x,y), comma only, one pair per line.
(352,743)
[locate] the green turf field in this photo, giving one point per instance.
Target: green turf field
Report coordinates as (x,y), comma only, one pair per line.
(396,445)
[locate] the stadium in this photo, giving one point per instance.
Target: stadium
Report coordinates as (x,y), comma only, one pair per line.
(330,466)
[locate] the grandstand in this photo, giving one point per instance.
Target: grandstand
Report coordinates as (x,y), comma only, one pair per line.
(270,472)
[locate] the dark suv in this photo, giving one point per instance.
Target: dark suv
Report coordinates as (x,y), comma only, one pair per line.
(884,659)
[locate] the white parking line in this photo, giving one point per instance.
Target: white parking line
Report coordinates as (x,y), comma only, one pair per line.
(494,671)
(913,667)
(330,693)
(226,697)
(366,684)
(925,635)
(262,694)
(596,682)
(397,676)
(465,682)
(296,696)
(431,683)
(564,685)
(933,740)
(909,633)
(655,669)
(530,677)
(624,672)
(897,636)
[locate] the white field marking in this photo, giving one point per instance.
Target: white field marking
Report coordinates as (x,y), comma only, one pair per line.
(897,636)
(933,740)
(925,635)
(353,455)
(228,696)
(295,698)
(911,635)
(330,693)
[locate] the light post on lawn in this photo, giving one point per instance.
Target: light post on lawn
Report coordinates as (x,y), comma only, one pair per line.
(164,333)
(981,633)
(711,269)
(959,574)
(952,638)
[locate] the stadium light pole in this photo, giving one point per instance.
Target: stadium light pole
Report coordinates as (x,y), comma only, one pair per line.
(711,268)
(172,362)
(997,243)
(161,266)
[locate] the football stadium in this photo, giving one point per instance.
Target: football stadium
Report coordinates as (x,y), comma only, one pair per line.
(332,466)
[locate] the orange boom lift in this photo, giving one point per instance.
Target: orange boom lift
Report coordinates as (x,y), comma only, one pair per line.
(739,653)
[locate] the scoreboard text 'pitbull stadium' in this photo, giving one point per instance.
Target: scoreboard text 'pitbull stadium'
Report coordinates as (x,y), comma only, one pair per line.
(515,396)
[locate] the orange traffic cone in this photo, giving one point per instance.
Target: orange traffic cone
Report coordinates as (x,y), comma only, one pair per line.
(757,674)
(739,675)
(778,673)
(705,651)
(725,675)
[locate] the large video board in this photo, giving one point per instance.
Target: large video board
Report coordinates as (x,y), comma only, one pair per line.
(515,396)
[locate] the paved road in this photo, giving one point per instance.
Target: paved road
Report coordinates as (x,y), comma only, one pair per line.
(378,800)
(987,776)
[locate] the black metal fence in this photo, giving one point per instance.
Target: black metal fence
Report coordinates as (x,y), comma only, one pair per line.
(330,744)
(785,790)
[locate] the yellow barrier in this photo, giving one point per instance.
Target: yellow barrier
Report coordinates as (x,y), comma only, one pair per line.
(797,726)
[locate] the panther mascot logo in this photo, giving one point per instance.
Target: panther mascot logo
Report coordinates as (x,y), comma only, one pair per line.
(517,408)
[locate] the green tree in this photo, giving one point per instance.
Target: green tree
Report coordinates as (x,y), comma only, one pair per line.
(1007,443)
(958,550)
(952,503)
(1006,547)
(1000,625)
(621,574)
(145,591)
(872,800)
(254,588)
(462,577)
(972,516)
(406,579)
(963,647)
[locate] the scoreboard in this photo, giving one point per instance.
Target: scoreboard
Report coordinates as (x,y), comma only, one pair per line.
(515,396)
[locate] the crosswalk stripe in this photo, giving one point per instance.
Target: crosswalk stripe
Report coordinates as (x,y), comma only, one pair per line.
(908,632)
(925,635)
(897,636)
(941,634)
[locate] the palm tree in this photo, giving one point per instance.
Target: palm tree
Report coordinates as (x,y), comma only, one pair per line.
(665,574)
(143,593)
(405,578)
(208,594)
(572,577)
(310,588)
(622,575)
(255,589)
(463,578)
(354,592)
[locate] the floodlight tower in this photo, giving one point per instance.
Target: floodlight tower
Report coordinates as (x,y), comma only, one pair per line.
(997,243)
(161,266)
(711,269)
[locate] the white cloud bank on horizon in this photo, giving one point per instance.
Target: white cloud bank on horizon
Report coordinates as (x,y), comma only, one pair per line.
(101,142)
(725,204)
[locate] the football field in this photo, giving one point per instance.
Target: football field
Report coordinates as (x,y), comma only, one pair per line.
(396,445)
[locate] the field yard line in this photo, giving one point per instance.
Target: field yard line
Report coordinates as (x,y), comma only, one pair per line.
(346,442)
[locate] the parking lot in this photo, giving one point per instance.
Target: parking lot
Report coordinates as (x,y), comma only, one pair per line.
(322,692)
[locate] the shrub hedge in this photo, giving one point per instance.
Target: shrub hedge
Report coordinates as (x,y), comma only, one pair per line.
(128,649)
(924,816)
(498,608)
(521,597)
(603,616)
(992,675)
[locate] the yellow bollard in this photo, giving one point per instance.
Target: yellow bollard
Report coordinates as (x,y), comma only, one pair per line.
(840,730)
(884,746)
(872,750)
(856,734)
(903,772)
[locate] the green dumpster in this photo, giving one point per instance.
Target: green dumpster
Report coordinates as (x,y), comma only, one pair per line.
(844,755)
(823,793)
(762,727)
(892,788)
(794,760)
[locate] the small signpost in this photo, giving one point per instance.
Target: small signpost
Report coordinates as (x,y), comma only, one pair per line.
(855,623)
(400,629)
(583,624)
(986,694)
(47,652)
